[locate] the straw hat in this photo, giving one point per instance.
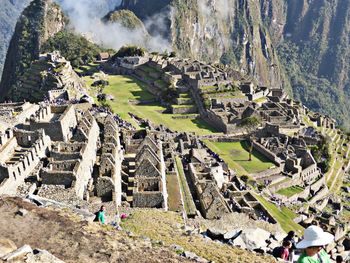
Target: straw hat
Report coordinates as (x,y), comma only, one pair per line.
(314,236)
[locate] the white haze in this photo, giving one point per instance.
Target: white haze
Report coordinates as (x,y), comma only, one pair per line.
(85,16)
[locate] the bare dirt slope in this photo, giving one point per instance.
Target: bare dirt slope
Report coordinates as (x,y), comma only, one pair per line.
(72,240)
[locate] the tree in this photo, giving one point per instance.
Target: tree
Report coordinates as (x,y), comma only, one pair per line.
(130,51)
(75,48)
(250,124)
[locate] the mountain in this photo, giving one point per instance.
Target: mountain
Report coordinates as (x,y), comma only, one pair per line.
(9,13)
(301,45)
(316,53)
(38,22)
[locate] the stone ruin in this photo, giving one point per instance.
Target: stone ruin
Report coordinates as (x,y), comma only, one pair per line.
(12,114)
(20,153)
(50,77)
(144,168)
(108,184)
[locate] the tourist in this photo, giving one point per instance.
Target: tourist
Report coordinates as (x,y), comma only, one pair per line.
(283,251)
(339,259)
(101,215)
(312,244)
(290,237)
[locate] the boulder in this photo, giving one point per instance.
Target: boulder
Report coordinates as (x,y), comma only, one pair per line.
(19,253)
(255,238)
(22,212)
(214,233)
(239,242)
(232,234)
(6,246)
(42,256)
(194,257)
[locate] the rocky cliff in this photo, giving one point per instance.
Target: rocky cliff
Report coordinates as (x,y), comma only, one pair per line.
(39,21)
(298,44)
(9,13)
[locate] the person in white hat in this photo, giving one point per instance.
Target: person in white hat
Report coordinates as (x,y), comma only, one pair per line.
(314,241)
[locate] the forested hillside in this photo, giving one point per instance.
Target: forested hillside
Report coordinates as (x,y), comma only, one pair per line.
(9,13)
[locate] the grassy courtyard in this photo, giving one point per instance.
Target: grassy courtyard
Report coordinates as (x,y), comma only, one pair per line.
(126,89)
(236,155)
(290,191)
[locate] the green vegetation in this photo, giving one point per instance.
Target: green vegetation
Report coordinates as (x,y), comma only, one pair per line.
(75,48)
(190,207)
(236,155)
(284,216)
(129,51)
(322,154)
(126,89)
(126,18)
(9,13)
(290,191)
(166,227)
(315,91)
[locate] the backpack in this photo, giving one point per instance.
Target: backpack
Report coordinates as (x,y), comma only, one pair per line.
(277,252)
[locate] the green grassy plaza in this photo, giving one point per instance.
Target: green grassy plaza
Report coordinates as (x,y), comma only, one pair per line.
(126,89)
(290,191)
(236,155)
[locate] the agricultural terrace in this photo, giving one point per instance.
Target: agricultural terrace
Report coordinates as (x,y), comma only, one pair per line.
(236,155)
(126,89)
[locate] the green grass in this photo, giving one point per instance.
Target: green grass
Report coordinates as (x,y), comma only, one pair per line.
(166,227)
(190,207)
(125,88)
(161,83)
(284,216)
(236,155)
(290,191)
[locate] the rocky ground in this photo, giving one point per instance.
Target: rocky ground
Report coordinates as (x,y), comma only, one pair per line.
(55,235)
(71,240)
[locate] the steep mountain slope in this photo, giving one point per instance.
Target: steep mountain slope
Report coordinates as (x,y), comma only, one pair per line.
(316,54)
(312,38)
(9,13)
(39,21)
(232,32)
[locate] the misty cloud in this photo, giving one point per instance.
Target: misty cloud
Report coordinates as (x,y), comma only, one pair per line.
(85,16)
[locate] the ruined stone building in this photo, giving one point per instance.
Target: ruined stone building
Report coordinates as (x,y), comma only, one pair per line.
(145,168)
(58,122)
(212,203)
(71,163)
(109,182)
(12,114)
(20,153)
(51,77)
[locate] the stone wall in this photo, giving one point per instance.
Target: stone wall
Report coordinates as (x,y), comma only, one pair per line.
(267,153)
(183,110)
(13,174)
(60,128)
(212,203)
(148,199)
